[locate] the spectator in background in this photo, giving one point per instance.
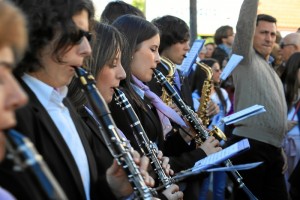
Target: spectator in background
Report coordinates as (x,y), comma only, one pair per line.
(210,47)
(223,37)
(289,45)
(277,62)
(292,94)
(278,37)
(202,54)
(257,83)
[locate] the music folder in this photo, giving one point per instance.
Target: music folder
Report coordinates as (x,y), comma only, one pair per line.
(215,159)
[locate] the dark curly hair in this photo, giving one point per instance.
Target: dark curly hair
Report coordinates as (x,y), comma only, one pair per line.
(46,20)
(172,30)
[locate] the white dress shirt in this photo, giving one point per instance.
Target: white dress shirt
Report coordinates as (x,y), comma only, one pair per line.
(52,100)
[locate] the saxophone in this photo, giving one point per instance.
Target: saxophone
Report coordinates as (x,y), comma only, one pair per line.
(201,132)
(204,99)
(205,94)
(169,77)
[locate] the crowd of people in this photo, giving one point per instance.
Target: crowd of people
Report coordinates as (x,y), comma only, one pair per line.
(43,44)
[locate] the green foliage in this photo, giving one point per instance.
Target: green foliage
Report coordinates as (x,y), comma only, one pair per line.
(140,4)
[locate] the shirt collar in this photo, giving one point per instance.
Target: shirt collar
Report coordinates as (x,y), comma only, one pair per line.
(44,92)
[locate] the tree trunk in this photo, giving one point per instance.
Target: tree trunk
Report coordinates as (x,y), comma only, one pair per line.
(193,20)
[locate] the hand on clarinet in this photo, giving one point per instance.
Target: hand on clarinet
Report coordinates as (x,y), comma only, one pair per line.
(173,193)
(165,163)
(211,145)
(118,180)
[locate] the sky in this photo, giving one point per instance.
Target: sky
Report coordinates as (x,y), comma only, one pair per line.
(206,9)
(211,14)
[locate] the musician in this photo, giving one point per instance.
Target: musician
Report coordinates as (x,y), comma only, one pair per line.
(175,38)
(59,41)
(109,49)
(13,40)
(220,97)
(139,66)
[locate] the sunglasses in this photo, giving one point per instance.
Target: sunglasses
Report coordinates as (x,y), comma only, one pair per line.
(78,37)
(282,45)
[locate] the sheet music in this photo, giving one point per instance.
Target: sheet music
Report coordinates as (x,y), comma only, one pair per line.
(188,62)
(211,162)
(232,63)
(217,158)
(243,114)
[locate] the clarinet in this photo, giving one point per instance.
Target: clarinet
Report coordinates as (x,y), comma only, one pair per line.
(147,147)
(117,145)
(201,133)
(25,156)
(187,112)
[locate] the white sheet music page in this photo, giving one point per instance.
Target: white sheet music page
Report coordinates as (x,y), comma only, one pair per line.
(217,158)
(243,114)
(232,63)
(191,56)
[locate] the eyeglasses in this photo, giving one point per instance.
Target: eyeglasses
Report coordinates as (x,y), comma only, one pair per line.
(78,37)
(282,45)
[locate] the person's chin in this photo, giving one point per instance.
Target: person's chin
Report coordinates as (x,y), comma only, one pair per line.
(8,121)
(148,79)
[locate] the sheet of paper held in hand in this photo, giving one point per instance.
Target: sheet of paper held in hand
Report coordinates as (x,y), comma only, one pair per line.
(216,158)
(189,61)
(243,114)
(211,162)
(231,64)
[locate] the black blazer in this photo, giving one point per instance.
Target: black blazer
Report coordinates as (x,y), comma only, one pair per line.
(35,123)
(182,156)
